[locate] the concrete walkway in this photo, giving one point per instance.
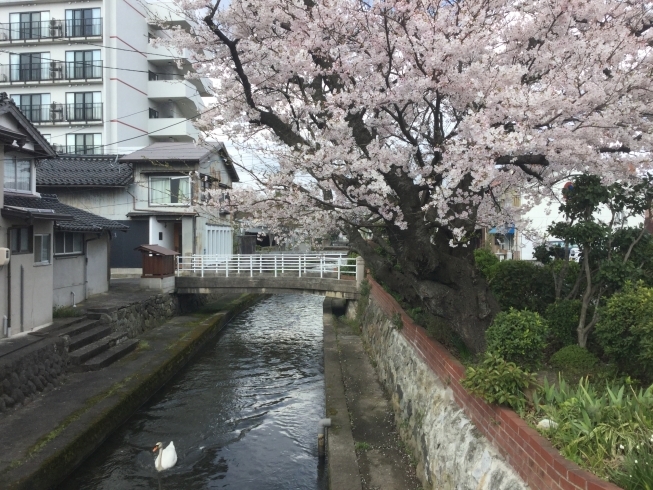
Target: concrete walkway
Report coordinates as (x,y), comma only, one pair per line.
(367,454)
(44,441)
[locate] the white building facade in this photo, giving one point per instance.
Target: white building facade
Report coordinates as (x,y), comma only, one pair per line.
(85,74)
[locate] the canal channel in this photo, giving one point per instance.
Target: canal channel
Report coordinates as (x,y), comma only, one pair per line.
(243,415)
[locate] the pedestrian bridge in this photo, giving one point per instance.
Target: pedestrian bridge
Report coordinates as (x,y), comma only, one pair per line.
(332,275)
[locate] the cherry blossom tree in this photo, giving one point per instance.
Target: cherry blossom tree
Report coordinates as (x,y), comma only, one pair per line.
(403,123)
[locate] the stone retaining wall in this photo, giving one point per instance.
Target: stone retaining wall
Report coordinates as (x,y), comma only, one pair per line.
(460,440)
(30,370)
(135,318)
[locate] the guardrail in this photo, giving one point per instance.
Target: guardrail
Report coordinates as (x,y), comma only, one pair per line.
(333,266)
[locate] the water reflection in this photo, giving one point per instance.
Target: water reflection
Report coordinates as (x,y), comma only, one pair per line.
(243,415)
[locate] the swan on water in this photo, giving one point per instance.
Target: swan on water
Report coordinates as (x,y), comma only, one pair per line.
(167,457)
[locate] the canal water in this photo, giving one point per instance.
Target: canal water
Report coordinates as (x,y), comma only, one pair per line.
(243,415)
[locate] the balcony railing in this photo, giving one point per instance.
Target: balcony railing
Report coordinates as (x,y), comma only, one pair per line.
(50,29)
(54,113)
(51,71)
(78,150)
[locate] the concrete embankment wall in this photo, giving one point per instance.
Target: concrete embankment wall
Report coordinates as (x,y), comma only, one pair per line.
(459,440)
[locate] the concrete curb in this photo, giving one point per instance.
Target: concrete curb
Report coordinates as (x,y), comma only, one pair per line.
(87,429)
(341,456)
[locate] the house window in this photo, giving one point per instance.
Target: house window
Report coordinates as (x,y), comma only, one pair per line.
(18,174)
(41,249)
(29,67)
(36,107)
(83,23)
(83,65)
(20,240)
(169,191)
(29,25)
(66,243)
(84,144)
(84,106)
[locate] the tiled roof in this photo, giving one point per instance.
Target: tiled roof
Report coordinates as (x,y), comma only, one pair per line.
(82,220)
(84,170)
(173,151)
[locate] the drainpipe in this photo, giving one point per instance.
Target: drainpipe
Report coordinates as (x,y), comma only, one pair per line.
(22,298)
(321,436)
(8,290)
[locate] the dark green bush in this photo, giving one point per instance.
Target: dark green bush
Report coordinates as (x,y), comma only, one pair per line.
(486,261)
(625,330)
(498,381)
(574,358)
(522,285)
(518,336)
(562,317)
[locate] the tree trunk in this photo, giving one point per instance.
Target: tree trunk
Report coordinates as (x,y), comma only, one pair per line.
(441,280)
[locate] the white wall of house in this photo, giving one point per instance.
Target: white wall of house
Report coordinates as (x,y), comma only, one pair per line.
(161,233)
(69,277)
(31,285)
(84,274)
(97,273)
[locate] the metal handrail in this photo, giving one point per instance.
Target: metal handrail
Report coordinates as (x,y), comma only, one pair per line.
(53,113)
(51,71)
(277,265)
(50,29)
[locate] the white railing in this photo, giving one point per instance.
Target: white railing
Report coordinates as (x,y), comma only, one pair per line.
(334,266)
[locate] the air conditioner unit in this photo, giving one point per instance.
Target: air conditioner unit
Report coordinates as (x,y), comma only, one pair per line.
(55,28)
(56,111)
(5,255)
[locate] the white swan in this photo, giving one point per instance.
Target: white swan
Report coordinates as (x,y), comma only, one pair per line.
(167,457)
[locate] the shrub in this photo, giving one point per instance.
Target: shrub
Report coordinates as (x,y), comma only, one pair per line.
(625,330)
(574,358)
(522,285)
(485,261)
(518,336)
(498,381)
(562,317)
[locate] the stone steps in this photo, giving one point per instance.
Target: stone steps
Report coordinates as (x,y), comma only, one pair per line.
(111,355)
(93,349)
(87,337)
(78,327)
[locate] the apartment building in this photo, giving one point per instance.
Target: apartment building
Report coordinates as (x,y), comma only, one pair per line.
(85,74)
